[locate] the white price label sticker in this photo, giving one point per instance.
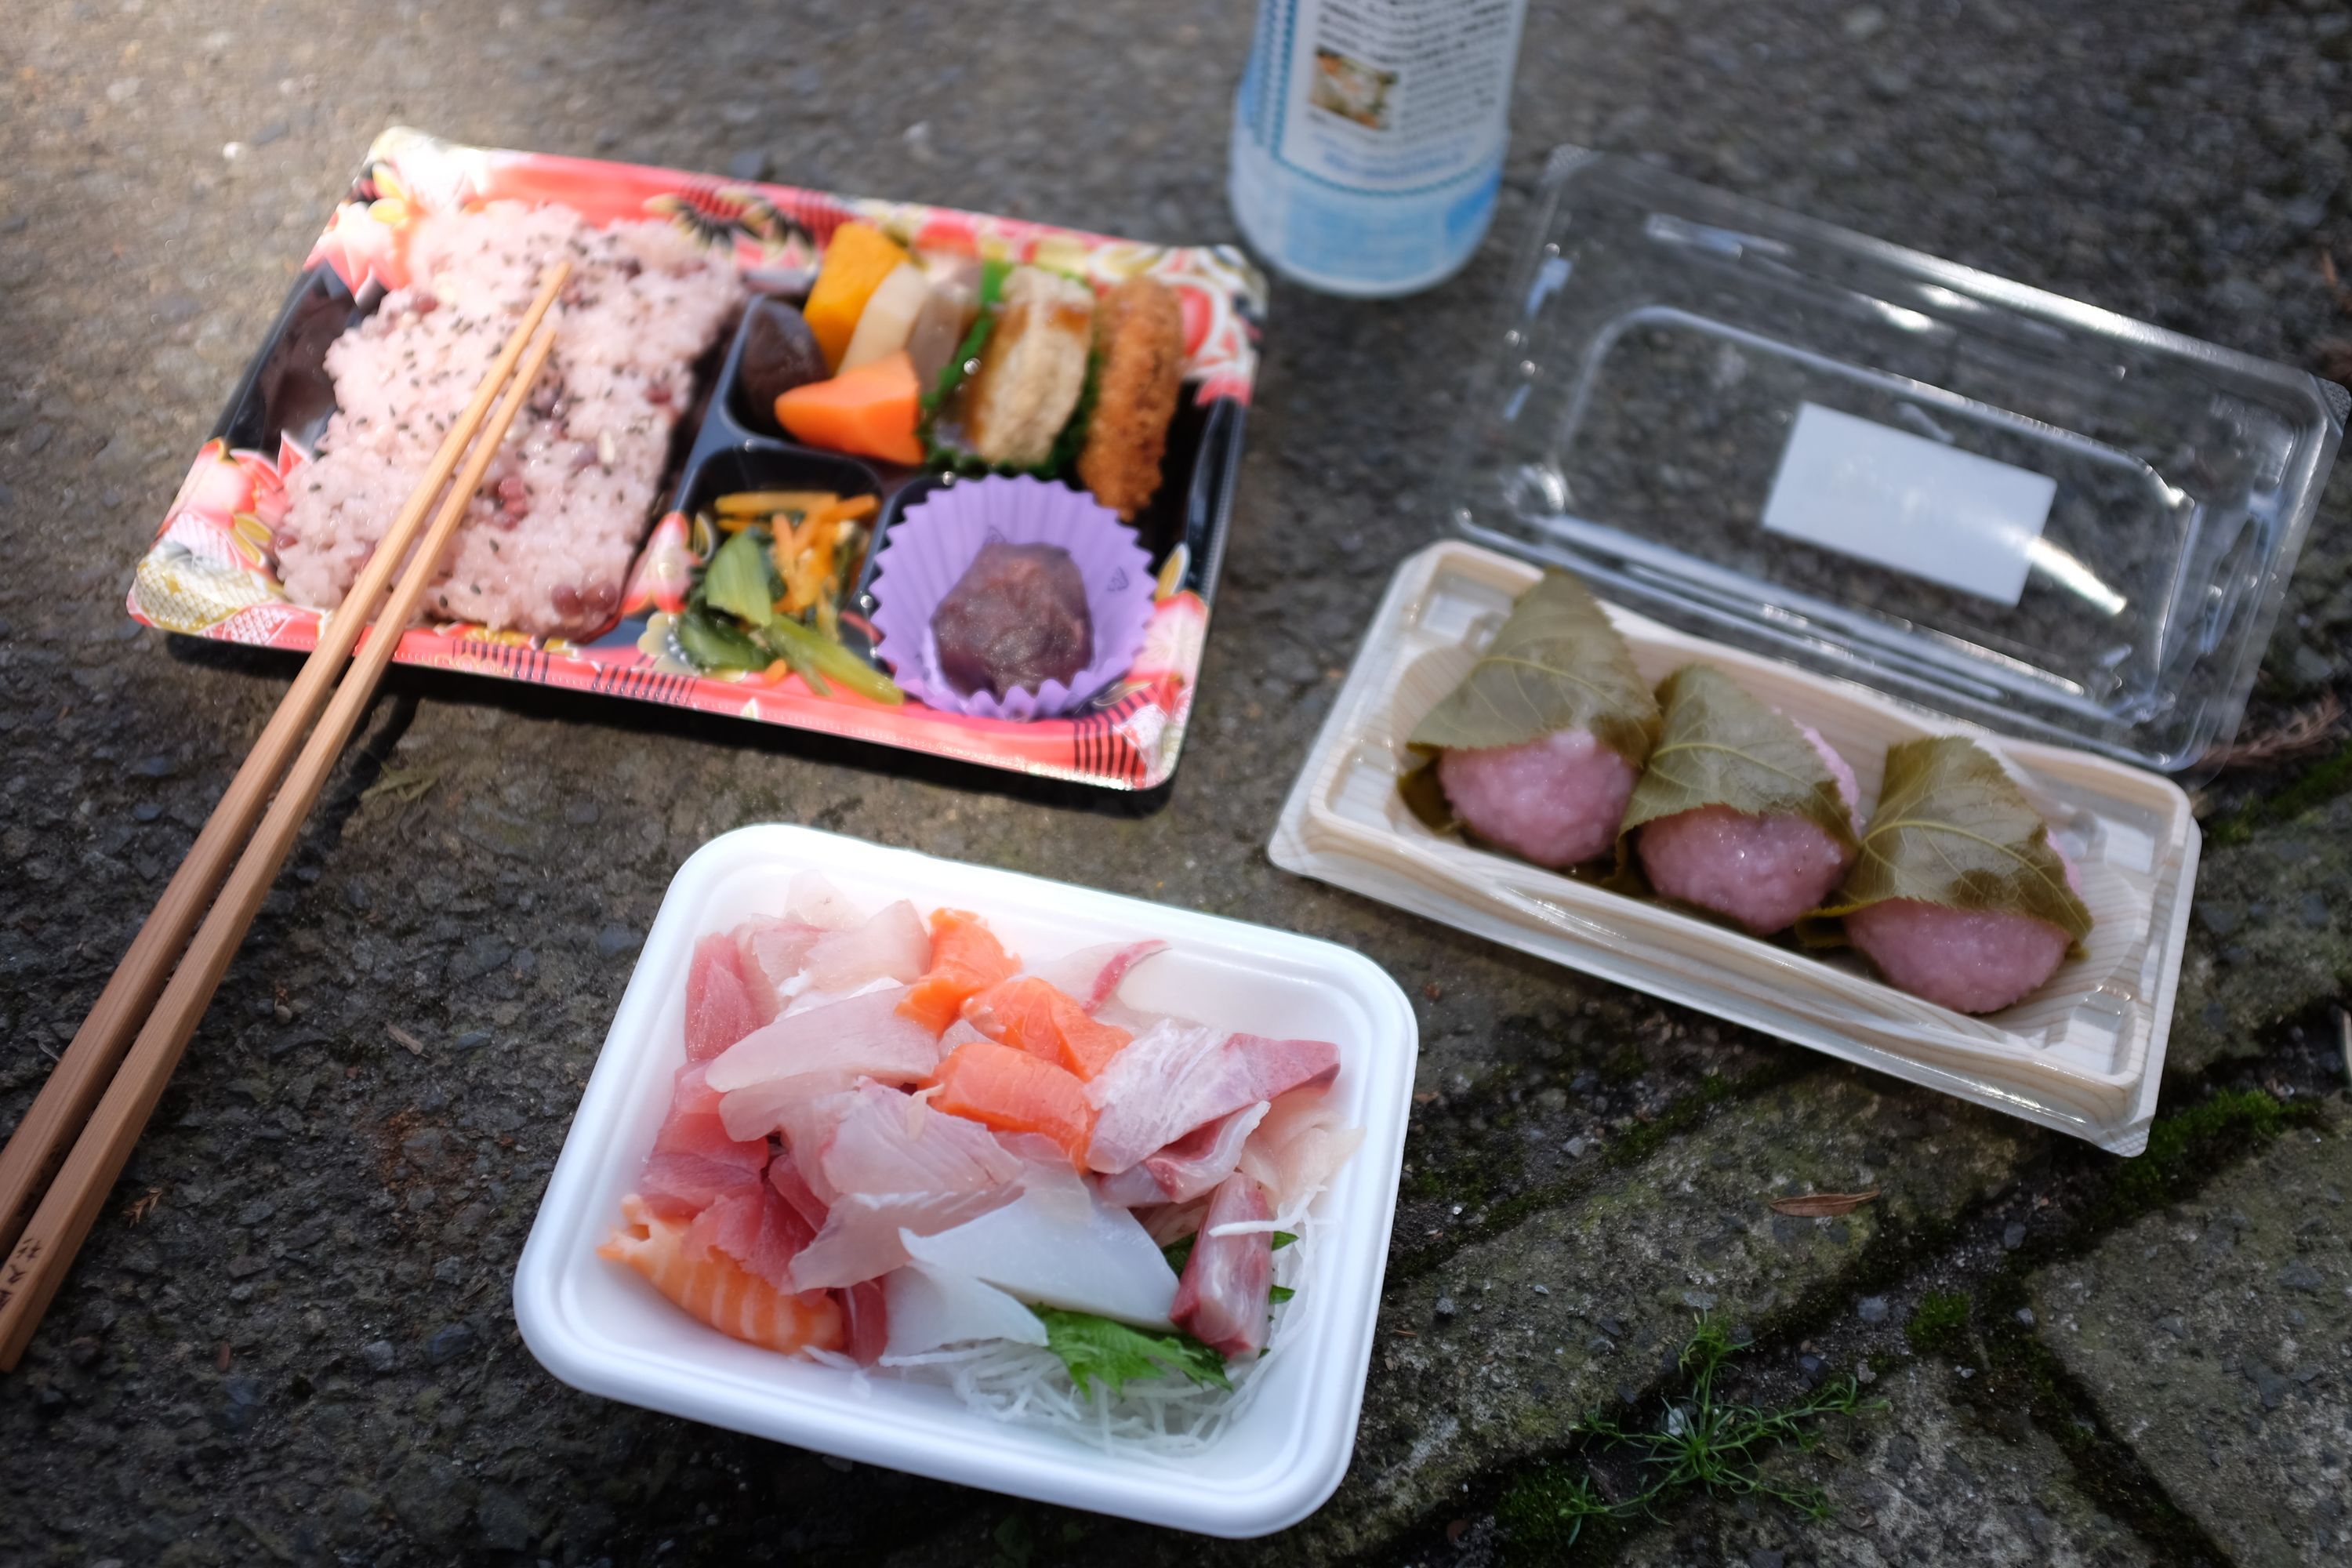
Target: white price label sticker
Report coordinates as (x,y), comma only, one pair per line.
(1908,503)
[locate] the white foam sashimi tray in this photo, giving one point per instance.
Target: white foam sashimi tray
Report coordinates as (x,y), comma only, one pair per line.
(599,1327)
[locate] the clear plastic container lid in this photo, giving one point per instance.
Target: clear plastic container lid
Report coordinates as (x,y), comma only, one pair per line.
(1976,496)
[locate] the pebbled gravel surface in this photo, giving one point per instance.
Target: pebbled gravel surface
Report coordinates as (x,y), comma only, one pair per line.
(289,1338)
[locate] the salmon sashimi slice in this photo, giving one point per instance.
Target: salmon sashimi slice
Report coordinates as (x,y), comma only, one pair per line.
(1006,1087)
(1039,1018)
(1225,1297)
(966,958)
(720,1006)
(694,1163)
(714,1288)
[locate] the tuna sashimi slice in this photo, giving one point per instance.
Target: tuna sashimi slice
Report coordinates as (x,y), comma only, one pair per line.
(966,958)
(930,1307)
(893,945)
(890,1143)
(862,1238)
(814,900)
(711,1287)
(866,1311)
(1102,1261)
(694,1163)
(1176,1077)
(1226,1294)
(720,1007)
(757,1228)
(774,951)
(1300,1147)
(863,1035)
(1092,974)
(1202,1158)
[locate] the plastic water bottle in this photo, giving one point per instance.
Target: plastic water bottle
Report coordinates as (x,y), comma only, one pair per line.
(1368,138)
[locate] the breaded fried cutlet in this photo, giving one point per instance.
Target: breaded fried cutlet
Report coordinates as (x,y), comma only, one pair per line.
(1140,329)
(1033,370)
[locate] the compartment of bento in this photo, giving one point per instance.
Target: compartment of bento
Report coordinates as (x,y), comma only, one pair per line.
(768,322)
(754,467)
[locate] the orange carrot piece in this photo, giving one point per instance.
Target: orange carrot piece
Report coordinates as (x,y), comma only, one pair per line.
(1007,1089)
(966,958)
(1033,1015)
(872,411)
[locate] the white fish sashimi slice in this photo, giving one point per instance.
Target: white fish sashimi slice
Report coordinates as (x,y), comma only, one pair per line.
(928,1307)
(892,1142)
(815,899)
(1300,1146)
(893,945)
(1092,974)
(807,1126)
(866,1034)
(860,1240)
(1104,1263)
(774,951)
(775,1105)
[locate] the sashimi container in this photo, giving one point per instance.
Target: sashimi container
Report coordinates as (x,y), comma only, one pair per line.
(1893,497)
(599,1327)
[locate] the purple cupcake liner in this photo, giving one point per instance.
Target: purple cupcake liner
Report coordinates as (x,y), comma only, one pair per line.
(934,542)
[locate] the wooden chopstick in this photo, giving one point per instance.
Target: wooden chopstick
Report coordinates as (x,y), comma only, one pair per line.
(64,1103)
(45,1248)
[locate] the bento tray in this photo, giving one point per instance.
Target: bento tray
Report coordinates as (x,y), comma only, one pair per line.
(2082,1055)
(211,572)
(600,1327)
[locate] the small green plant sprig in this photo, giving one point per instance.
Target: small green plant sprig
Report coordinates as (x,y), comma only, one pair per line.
(1704,1443)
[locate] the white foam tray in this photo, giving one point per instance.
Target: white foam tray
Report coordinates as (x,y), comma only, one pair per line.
(600,1327)
(2083,1054)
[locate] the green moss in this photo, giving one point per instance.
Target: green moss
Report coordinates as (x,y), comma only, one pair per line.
(2182,1147)
(1939,1325)
(2322,784)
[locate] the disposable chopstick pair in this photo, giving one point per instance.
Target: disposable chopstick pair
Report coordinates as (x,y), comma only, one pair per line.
(80,1131)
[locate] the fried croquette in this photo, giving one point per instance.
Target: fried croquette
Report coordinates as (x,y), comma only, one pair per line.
(1140,329)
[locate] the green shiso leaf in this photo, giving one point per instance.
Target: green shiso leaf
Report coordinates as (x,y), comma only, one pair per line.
(1280,1294)
(1178,1252)
(1556,664)
(1952,829)
(1103,1350)
(1283,1238)
(1720,746)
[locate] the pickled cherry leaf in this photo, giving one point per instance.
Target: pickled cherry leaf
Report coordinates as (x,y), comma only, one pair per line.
(1721,746)
(1953,829)
(1557,664)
